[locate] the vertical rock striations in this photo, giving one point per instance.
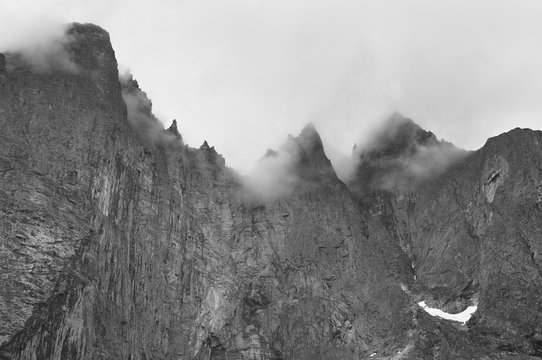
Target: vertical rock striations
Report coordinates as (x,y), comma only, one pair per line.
(470,229)
(117,241)
(121,243)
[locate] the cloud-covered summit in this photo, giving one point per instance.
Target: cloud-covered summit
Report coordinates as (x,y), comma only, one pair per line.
(399,155)
(141,117)
(300,161)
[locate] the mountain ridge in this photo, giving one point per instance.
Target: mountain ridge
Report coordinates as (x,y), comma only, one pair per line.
(119,241)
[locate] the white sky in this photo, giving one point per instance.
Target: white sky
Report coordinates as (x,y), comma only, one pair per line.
(242,74)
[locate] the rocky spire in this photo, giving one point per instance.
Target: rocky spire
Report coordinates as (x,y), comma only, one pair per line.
(308,153)
(212,156)
(174,130)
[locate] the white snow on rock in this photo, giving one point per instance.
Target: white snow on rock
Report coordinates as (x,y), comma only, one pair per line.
(462,317)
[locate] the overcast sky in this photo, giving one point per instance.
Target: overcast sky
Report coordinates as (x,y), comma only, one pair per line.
(242,74)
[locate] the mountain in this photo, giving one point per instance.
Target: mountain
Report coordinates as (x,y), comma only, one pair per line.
(119,241)
(471,229)
(399,156)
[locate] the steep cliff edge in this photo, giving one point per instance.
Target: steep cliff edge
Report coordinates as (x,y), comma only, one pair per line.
(84,217)
(317,279)
(51,124)
(118,241)
(472,231)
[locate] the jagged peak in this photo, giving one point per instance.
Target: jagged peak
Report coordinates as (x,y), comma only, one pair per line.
(309,130)
(398,135)
(205,145)
(308,140)
(211,156)
(400,155)
(174,129)
(300,164)
(307,152)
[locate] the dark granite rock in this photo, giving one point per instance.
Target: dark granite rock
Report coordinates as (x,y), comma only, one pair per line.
(399,156)
(2,63)
(174,130)
(117,241)
(144,250)
(470,232)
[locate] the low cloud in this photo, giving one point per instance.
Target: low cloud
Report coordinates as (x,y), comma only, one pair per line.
(273,176)
(300,161)
(398,156)
(406,172)
(344,165)
(140,116)
(429,161)
(465,69)
(42,49)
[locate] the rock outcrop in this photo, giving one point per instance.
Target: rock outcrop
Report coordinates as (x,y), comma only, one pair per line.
(119,245)
(472,232)
(399,157)
(118,241)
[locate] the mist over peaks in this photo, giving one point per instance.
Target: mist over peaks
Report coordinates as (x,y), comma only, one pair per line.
(398,155)
(140,116)
(40,49)
(299,161)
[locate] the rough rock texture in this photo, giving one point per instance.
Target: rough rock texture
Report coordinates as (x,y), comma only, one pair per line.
(49,124)
(473,234)
(302,277)
(117,245)
(399,157)
(117,241)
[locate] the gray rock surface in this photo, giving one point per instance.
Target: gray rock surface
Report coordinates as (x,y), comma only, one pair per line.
(118,241)
(120,247)
(473,235)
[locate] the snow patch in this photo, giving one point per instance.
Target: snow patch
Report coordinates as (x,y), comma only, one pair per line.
(462,317)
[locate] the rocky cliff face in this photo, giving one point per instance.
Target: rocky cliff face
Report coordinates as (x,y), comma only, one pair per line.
(472,233)
(117,241)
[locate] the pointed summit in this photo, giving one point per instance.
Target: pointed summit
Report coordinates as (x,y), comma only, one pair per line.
(309,131)
(308,153)
(211,155)
(308,140)
(299,165)
(174,130)
(399,136)
(400,155)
